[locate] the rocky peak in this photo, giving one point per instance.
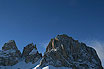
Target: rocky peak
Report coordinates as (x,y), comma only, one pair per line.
(10,45)
(28,49)
(64,51)
(31,54)
(9,55)
(61,40)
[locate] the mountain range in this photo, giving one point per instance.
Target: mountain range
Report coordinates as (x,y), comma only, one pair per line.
(62,52)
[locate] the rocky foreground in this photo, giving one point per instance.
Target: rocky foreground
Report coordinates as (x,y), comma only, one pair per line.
(62,52)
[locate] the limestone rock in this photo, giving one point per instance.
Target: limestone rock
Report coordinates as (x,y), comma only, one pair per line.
(30,53)
(9,55)
(64,51)
(9,45)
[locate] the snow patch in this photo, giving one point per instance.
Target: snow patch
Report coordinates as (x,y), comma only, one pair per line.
(34,51)
(51,67)
(21,65)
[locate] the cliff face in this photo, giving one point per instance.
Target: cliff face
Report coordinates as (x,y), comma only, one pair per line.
(30,53)
(10,55)
(64,51)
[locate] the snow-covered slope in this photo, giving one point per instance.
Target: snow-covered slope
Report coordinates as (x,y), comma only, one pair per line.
(21,65)
(51,67)
(34,51)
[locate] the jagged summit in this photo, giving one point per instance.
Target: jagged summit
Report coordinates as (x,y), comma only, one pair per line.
(63,35)
(61,39)
(64,51)
(10,55)
(9,45)
(27,49)
(11,41)
(31,54)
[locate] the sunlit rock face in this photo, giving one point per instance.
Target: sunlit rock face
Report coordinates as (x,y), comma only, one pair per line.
(9,55)
(30,53)
(64,51)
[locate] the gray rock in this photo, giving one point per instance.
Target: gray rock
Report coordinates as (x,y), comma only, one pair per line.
(30,53)
(64,51)
(9,55)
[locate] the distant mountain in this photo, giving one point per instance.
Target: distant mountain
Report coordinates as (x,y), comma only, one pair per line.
(62,52)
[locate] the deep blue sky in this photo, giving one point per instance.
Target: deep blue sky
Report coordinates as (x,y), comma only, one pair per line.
(38,21)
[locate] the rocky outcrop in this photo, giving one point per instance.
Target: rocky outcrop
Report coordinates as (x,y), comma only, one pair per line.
(30,53)
(64,51)
(9,55)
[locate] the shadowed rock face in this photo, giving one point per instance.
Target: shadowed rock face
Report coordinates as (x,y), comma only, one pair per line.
(27,49)
(65,51)
(30,53)
(9,54)
(9,45)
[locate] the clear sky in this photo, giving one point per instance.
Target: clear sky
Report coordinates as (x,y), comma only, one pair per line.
(37,21)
